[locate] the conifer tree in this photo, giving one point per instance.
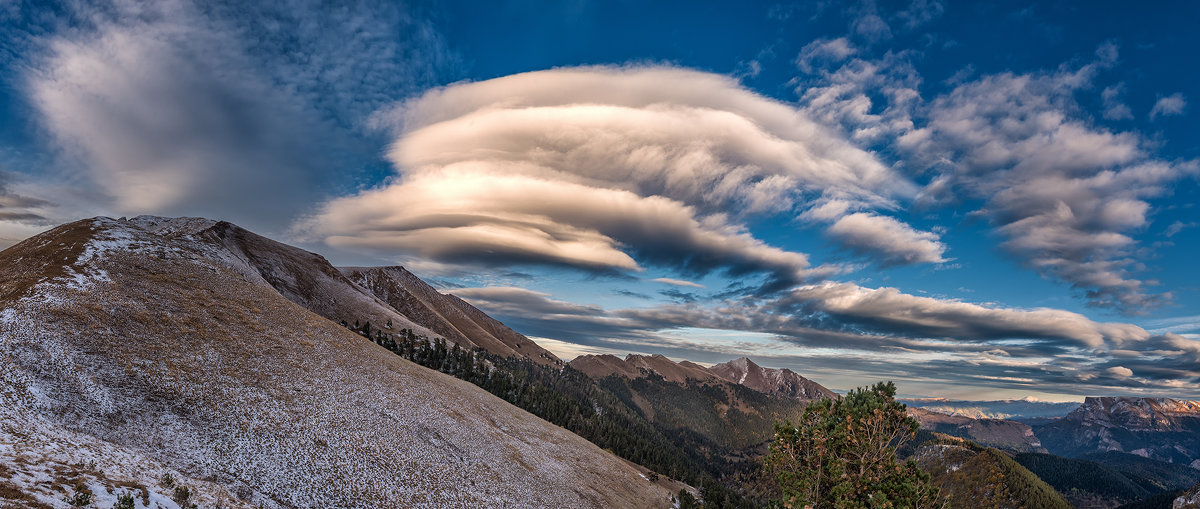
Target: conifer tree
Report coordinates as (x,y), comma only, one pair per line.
(842,454)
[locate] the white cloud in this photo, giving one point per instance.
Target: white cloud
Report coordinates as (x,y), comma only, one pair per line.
(1063,193)
(825,51)
(608,168)
(1119,371)
(889,310)
(902,245)
(677,282)
(1170,105)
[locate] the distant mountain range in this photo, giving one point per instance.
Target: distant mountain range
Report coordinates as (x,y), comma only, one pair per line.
(1013,409)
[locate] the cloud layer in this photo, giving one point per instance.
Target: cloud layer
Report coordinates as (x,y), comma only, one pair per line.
(609,168)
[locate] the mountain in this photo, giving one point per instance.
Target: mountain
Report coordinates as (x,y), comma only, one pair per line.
(725,425)
(1023,410)
(1160,428)
(1188,500)
(130,349)
(970,475)
(1002,434)
(642,366)
(1110,479)
(779,382)
(445,315)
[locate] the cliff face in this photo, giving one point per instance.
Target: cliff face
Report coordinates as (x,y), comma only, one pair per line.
(1160,428)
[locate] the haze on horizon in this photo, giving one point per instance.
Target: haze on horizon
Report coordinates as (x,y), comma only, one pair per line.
(977,200)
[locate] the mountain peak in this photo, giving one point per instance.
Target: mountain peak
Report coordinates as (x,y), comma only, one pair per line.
(780,382)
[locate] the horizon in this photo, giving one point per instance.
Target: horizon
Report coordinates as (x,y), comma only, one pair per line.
(855,191)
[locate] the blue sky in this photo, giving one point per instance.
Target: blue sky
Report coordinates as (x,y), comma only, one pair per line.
(976,199)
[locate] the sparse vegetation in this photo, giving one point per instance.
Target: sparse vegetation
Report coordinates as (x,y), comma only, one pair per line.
(124,501)
(82,497)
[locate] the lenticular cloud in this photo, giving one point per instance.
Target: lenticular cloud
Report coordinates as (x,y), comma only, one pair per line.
(608,168)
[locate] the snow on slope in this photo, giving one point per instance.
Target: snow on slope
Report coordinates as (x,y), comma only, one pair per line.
(175,361)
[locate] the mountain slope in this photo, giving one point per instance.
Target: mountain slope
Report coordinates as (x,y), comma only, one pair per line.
(1159,428)
(168,348)
(1008,435)
(445,315)
(779,382)
(972,476)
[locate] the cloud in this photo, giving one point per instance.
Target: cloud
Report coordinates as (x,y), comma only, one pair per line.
(840,331)
(888,310)
(221,110)
(677,282)
(1114,109)
(19,208)
(921,12)
(1177,227)
(902,245)
(825,51)
(1170,105)
(1119,371)
(1063,194)
(608,168)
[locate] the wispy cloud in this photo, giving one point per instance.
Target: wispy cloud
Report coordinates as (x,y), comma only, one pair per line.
(221,109)
(1170,105)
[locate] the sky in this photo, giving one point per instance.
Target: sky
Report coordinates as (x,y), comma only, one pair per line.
(973,199)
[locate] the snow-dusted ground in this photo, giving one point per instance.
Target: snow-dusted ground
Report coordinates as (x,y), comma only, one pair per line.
(174,360)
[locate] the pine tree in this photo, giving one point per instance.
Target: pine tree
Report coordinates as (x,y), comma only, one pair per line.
(842,454)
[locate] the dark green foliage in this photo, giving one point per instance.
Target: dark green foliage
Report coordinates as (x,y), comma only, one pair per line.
(1163,500)
(167,481)
(1152,474)
(82,496)
(124,501)
(686,500)
(841,454)
(1109,476)
(1075,477)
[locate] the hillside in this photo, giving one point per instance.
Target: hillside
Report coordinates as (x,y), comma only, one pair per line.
(1002,434)
(972,476)
(1158,428)
(724,424)
(445,315)
(170,348)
